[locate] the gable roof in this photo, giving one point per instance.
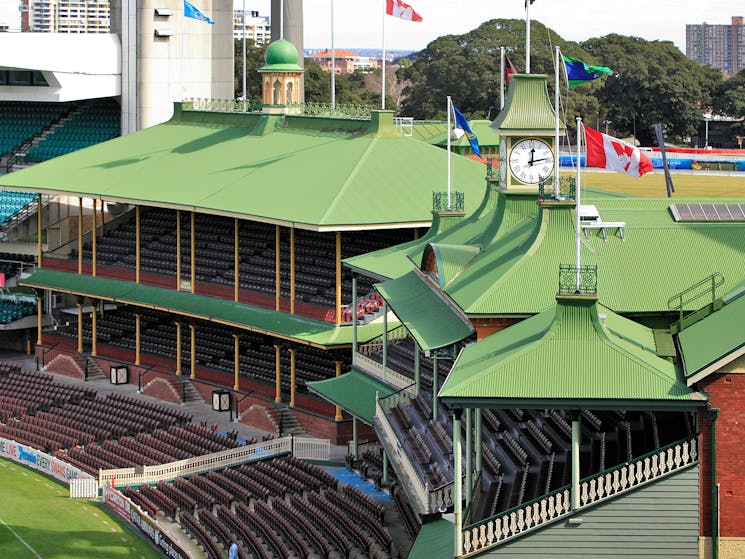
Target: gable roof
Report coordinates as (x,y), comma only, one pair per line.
(710,343)
(567,357)
(310,172)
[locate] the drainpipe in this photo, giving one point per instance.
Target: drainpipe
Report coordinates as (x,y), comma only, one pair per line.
(714,415)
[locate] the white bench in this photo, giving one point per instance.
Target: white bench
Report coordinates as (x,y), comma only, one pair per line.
(619,226)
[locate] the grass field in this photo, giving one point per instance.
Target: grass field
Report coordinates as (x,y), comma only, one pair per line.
(38,520)
(701,185)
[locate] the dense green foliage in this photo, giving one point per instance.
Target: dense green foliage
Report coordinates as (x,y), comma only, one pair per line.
(729,99)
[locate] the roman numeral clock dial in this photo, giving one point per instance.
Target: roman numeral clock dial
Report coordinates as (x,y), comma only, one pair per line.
(531,160)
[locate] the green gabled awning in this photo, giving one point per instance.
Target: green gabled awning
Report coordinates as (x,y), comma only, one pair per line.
(247,317)
(719,335)
(353,391)
(576,354)
(433,321)
(435,540)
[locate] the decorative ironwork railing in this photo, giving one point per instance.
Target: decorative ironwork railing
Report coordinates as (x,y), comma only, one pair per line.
(707,287)
(572,282)
(441,202)
(492,170)
(594,489)
(547,189)
(252,105)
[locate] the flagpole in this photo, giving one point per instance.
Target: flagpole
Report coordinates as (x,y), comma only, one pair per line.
(450,110)
(577,201)
(501,80)
(281,19)
(557,185)
(382,102)
(333,61)
(244,56)
(183,32)
(527,36)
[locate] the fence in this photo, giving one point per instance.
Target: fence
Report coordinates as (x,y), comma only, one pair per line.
(199,464)
(311,449)
(386,374)
(82,488)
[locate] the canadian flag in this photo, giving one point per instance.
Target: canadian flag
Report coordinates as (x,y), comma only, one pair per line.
(607,152)
(399,9)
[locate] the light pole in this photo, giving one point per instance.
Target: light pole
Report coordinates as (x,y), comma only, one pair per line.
(607,122)
(706,134)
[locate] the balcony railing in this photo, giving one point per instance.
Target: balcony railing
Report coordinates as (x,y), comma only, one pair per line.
(544,510)
(251,105)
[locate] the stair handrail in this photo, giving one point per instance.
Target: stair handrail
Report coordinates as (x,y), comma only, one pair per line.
(679,301)
(150,369)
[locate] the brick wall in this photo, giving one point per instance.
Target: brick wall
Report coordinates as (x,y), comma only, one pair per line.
(726,392)
(488,326)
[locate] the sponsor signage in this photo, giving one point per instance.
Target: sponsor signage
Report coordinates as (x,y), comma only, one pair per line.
(41,461)
(124,508)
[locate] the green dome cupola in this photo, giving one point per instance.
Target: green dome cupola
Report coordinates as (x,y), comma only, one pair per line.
(281,55)
(281,78)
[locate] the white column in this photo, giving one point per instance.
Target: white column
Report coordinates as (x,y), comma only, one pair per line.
(457,484)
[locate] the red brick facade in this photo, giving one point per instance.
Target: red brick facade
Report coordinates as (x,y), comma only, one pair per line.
(727,393)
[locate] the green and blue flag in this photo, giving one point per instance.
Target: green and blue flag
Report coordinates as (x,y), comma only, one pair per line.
(578,72)
(461,124)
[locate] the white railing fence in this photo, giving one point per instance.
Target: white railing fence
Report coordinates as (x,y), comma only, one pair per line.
(525,518)
(311,449)
(82,488)
(386,374)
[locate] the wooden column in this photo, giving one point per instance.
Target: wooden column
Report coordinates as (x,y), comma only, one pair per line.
(236,261)
(93,239)
(178,250)
(278,373)
(193,254)
(138,340)
(293,361)
(80,235)
(80,325)
(276,268)
(337,263)
(292,270)
(39,315)
(138,244)
(178,348)
(38,231)
(236,360)
(193,351)
(94,337)
(338,416)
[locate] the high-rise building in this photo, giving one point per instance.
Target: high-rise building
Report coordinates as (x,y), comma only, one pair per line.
(65,16)
(721,46)
(258,28)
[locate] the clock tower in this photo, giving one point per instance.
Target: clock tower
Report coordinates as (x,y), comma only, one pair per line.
(526,127)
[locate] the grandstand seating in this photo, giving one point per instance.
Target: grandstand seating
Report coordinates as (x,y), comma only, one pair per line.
(11,262)
(85,124)
(314,254)
(11,202)
(284,507)
(215,346)
(21,121)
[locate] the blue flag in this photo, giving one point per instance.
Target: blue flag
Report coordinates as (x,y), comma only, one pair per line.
(461,124)
(578,72)
(190,10)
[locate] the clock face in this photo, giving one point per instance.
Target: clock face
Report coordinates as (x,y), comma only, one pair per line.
(531,160)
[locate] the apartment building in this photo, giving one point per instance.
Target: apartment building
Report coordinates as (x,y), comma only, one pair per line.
(721,46)
(65,16)
(258,28)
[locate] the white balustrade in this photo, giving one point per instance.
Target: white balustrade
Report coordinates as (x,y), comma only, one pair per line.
(386,374)
(631,475)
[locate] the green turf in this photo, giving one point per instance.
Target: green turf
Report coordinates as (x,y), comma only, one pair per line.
(38,511)
(695,185)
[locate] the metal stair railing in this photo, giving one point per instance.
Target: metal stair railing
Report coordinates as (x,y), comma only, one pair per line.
(707,287)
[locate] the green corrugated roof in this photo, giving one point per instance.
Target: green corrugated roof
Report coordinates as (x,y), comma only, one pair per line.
(256,319)
(435,540)
(434,132)
(451,259)
(567,356)
(313,172)
(429,318)
(519,274)
(714,337)
(354,392)
(527,107)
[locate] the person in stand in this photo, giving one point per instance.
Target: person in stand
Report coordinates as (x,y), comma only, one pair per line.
(233,551)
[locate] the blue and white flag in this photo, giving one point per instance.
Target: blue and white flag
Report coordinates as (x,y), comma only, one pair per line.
(190,10)
(462,128)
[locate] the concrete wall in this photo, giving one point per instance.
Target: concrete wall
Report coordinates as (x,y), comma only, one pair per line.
(167,57)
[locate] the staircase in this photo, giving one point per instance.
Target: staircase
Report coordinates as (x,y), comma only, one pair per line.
(288,423)
(94,371)
(188,393)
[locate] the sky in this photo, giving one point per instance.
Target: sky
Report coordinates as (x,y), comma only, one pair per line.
(359,23)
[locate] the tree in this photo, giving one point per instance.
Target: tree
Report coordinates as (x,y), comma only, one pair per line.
(467,68)
(652,82)
(729,100)
(254,61)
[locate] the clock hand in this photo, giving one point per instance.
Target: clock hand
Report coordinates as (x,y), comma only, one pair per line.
(542,159)
(532,153)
